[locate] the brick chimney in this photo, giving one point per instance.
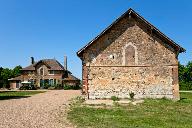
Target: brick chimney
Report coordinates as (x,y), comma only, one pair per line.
(65,62)
(32,60)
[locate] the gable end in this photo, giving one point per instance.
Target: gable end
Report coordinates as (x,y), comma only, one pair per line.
(140,19)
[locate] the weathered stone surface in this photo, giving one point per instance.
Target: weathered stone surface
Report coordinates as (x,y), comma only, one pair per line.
(128,58)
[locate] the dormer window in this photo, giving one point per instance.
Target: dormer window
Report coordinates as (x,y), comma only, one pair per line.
(51,72)
(41,71)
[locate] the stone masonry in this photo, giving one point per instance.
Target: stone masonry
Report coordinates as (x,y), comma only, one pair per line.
(127,58)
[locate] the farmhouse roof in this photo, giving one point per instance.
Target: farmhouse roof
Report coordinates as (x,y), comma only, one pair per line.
(70,77)
(52,64)
(18,78)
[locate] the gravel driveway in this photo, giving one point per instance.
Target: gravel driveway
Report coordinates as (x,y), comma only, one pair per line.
(45,110)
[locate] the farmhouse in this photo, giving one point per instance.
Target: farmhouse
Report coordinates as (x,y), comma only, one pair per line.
(131,55)
(45,72)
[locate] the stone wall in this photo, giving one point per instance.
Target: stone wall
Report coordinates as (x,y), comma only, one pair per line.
(128,58)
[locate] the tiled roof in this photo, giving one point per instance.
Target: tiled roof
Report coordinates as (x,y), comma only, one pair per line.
(70,77)
(18,78)
(52,64)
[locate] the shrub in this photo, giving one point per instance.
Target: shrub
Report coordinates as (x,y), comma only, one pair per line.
(114,98)
(185,85)
(46,86)
(132,95)
(71,87)
(51,88)
(28,87)
(58,86)
(80,99)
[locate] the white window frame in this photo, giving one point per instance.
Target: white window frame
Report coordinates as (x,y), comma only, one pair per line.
(52,81)
(52,73)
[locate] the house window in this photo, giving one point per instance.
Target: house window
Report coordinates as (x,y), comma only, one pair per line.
(41,71)
(42,83)
(52,82)
(51,72)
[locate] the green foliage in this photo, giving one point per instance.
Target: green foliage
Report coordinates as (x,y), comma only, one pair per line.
(28,87)
(80,99)
(58,86)
(185,76)
(6,73)
(65,87)
(71,87)
(114,98)
(46,85)
(16,71)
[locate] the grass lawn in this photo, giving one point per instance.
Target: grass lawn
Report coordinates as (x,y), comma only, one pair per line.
(5,95)
(150,114)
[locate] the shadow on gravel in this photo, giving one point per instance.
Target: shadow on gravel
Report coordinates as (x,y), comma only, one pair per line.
(7,95)
(12,97)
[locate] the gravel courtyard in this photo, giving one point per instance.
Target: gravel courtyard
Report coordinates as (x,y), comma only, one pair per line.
(45,110)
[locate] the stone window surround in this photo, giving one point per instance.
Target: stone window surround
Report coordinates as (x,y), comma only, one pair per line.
(124,54)
(41,69)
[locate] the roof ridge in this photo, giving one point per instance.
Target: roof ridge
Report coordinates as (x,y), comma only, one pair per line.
(50,63)
(130,11)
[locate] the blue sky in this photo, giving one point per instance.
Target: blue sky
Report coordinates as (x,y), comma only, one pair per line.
(54,28)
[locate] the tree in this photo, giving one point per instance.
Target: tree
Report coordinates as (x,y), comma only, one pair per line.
(6,74)
(17,71)
(185,76)
(1,80)
(0,72)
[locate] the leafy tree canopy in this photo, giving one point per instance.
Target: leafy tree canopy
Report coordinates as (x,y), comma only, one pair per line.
(185,76)
(6,73)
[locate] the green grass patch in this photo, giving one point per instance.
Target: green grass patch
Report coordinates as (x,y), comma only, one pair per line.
(151,114)
(5,95)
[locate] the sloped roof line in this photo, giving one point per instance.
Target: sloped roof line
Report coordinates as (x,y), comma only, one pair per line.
(18,78)
(138,16)
(157,30)
(42,61)
(52,64)
(71,77)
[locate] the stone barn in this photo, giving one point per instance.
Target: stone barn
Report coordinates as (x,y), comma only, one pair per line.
(131,55)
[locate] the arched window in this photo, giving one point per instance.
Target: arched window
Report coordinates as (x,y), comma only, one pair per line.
(130,56)
(41,71)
